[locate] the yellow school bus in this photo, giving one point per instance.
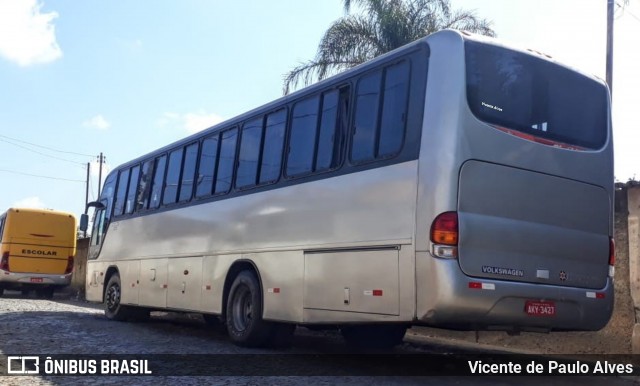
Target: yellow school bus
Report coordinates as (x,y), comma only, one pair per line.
(36,250)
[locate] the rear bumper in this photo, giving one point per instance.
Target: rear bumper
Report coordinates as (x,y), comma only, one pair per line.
(19,280)
(500,305)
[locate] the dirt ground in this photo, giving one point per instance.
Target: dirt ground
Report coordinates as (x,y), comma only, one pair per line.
(615,338)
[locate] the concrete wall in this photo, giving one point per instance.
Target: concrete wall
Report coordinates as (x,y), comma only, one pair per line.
(80,267)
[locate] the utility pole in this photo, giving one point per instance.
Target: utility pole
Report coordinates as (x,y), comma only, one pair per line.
(101,159)
(86,193)
(610,10)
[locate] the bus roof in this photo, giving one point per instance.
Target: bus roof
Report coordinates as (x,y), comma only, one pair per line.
(336,80)
(36,210)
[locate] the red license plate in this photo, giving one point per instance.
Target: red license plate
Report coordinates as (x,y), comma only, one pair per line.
(539,308)
(36,280)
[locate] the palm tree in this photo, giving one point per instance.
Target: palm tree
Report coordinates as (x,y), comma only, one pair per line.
(383,26)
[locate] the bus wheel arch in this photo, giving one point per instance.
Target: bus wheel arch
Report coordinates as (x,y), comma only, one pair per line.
(107,276)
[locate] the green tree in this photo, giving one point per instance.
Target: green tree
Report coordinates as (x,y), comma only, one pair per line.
(383,25)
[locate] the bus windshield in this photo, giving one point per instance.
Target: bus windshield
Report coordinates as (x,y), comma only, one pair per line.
(512,90)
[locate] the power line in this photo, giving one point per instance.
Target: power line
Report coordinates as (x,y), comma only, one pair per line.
(38,152)
(46,147)
(632,15)
(40,176)
(625,10)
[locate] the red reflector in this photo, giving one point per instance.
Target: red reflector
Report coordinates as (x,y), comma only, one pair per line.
(4,262)
(534,138)
(444,229)
(69,267)
(599,295)
(612,252)
(475,285)
(377,292)
(276,290)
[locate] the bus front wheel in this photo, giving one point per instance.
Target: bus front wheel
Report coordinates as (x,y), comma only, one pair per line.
(245,325)
(112,295)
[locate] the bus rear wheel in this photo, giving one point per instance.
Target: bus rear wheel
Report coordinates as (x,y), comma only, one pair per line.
(245,325)
(112,308)
(374,336)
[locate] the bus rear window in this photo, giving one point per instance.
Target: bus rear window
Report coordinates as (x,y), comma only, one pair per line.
(521,92)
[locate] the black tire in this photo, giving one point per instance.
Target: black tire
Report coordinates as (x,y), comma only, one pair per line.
(45,293)
(1,291)
(245,325)
(384,336)
(112,308)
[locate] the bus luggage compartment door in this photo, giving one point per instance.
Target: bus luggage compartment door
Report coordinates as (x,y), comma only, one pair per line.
(363,281)
(521,225)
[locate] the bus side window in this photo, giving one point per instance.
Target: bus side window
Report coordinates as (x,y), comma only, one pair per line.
(107,195)
(173,177)
(302,136)
(394,109)
(207,166)
(99,228)
(380,113)
(250,144)
(123,181)
(366,117)
(271,159)
(188,172)
(96,232)
(334,113)
(1,228)
(133,185)
(226,160)
(144,186)
(158,181)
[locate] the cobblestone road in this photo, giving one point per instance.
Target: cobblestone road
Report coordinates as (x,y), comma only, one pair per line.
(43,327)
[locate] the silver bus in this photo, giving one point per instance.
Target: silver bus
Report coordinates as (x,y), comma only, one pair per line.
(455,182)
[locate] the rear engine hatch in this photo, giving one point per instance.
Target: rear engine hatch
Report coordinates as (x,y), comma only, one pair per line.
(25,256)
(526,226)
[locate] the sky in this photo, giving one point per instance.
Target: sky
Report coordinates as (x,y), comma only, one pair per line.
(123,78)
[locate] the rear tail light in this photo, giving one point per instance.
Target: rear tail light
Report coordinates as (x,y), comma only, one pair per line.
(612,257)
(444,235)
(69,268)
(4,262)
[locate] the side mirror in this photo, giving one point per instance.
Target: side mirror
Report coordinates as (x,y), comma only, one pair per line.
(95,204)
(84,218)
(84,222)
